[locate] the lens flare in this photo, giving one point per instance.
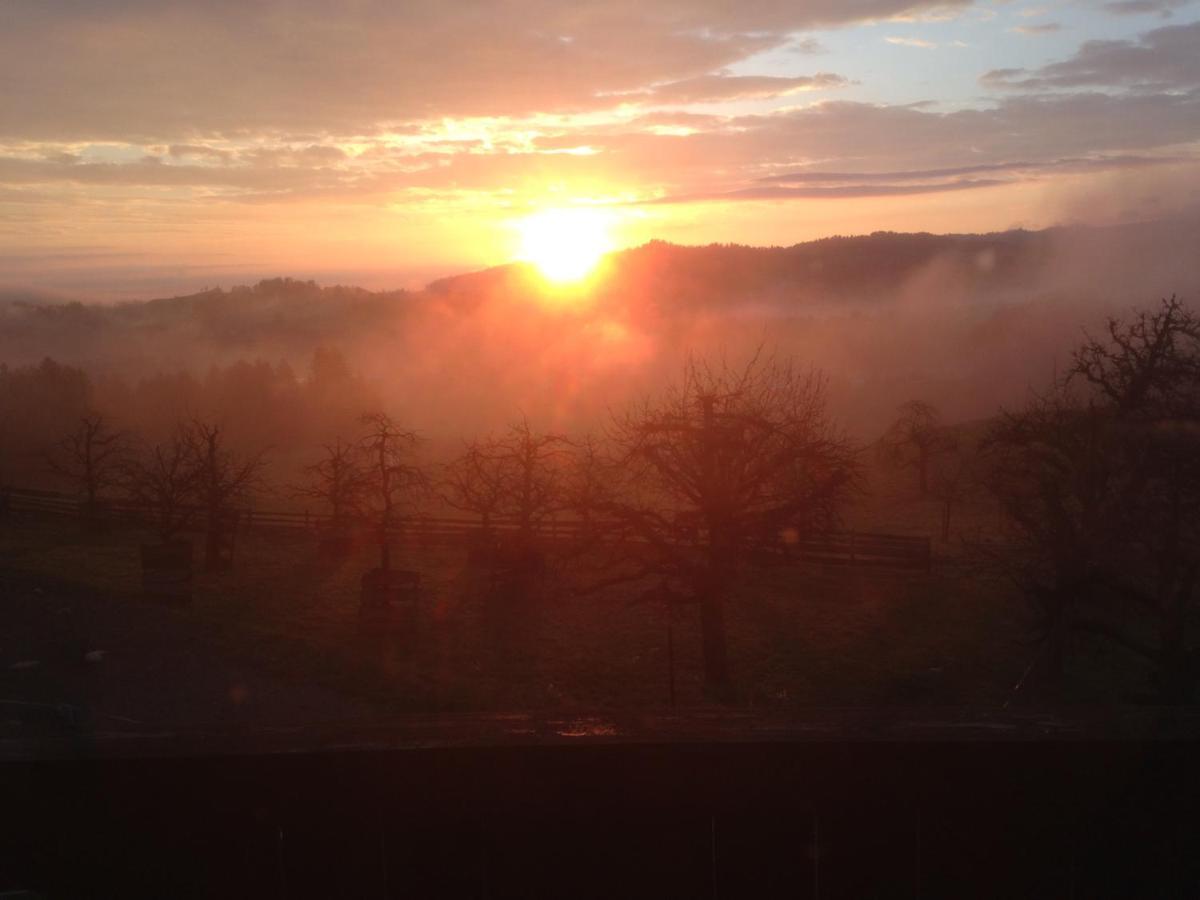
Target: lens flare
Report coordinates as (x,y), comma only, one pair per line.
(565,244)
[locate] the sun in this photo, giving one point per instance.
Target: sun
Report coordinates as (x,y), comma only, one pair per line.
(565,244)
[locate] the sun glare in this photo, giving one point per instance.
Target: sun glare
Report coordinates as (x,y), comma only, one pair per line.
(565,244)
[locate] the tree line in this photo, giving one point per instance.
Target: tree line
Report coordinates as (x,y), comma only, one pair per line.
(1094,483)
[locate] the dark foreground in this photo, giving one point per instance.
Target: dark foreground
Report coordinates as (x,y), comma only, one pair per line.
(839,805)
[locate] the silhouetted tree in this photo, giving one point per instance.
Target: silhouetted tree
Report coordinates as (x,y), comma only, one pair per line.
(1100,483)
(338,481)
(36,403)
(586,482)
(955,478)
(92,458)
(474,481)
(1146,373)
(224,477)
(1057,475)
(392,479)
(164,481)
(529,464)
(914,440)
(742,457)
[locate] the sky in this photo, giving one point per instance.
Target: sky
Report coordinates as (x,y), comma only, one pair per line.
(150,147)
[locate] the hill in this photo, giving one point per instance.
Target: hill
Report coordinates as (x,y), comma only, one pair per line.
(967,321)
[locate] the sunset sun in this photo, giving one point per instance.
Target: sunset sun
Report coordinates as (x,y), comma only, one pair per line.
(564,244)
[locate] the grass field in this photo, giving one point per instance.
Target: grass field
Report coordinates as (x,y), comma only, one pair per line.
(287,621)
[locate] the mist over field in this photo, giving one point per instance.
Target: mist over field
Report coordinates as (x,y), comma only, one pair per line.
(966,322)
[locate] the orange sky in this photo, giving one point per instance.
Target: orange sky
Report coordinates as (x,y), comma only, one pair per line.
(153,147)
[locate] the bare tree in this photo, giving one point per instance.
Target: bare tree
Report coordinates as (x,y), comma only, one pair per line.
(474,481)
(530,463)
(587,480)
(1100,483)
(1058,479)
(742,457)
(338,481)
(954,480)
(163,480)
(1146,373)
(392,479)
(92,458)
(1148,365)
(224,477)
(914,440)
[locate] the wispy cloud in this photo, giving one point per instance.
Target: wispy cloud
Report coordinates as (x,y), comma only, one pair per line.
(807,45)
(911,42)
(724,88)
(1166,58)
(1039,29)
(285,68)
(1163,8)
(817,185)
(838,192)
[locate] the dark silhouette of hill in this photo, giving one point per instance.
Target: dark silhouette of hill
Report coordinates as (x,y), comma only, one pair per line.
(287,318)
(835,268)
(964,321)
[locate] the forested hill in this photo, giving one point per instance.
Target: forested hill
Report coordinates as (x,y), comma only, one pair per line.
(656,286)
(834,268)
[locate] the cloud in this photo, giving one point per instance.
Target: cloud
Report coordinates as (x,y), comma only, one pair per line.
(347,138)
(816,185)
(807,45)
(1074,164)
(1138,7)
(1041,28)
(152,172)
(840,192)
(199,151)
(137,70)
(1166,58)
(717,88)
(911,42)
(681,153)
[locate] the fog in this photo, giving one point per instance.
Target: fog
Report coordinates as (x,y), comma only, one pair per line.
(967,323)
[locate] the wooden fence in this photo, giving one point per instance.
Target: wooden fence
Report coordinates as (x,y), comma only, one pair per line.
(845,549)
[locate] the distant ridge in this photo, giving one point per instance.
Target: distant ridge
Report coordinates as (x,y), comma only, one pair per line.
(286,318)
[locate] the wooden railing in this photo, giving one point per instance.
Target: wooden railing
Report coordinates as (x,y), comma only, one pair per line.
(867,550)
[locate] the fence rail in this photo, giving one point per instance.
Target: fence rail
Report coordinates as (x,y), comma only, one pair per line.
(855,549)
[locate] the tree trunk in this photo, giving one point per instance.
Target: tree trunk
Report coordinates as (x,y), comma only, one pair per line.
(712,629)
(91,510)
(218,540)
(712,595)
(1051,667)
(1177,679)
(385,549)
